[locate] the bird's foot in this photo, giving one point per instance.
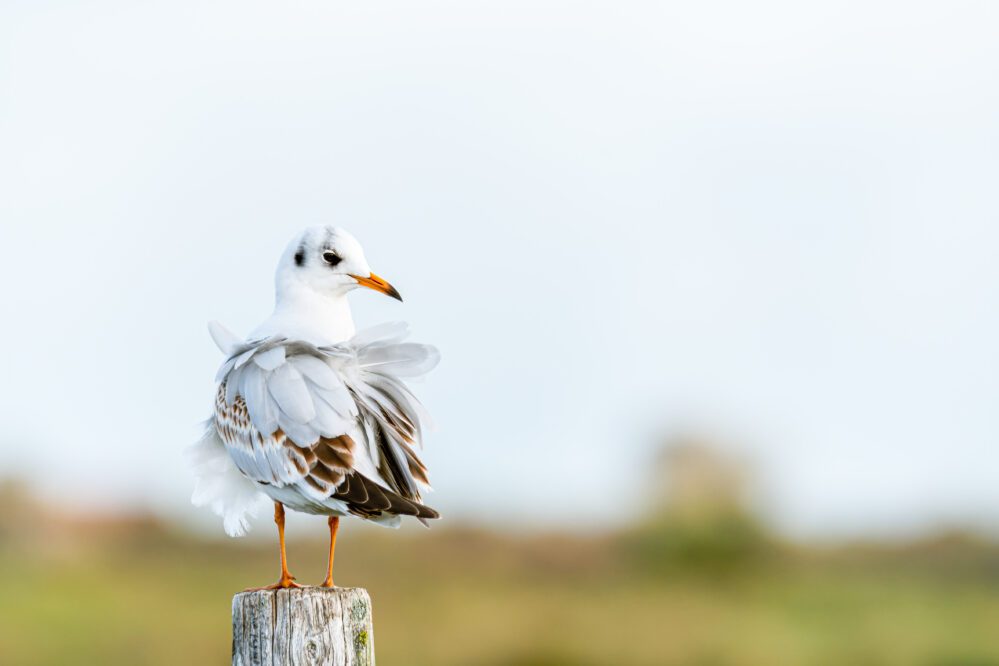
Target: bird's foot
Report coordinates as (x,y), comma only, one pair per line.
(328,583)
(286,582)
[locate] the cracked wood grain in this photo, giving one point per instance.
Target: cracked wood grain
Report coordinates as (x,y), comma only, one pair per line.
(303,627)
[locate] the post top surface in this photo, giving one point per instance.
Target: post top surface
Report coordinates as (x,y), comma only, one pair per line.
(306,591)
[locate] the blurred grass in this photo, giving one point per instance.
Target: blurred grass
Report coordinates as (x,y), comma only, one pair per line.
(143,593)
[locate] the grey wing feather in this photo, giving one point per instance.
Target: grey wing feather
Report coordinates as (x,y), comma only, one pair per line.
(392,417)
(225,339)
(292,396)
(281,404)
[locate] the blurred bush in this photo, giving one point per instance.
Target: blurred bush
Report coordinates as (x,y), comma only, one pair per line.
(724,544)
(699,518)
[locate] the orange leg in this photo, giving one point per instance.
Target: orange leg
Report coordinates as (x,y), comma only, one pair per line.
(286,580)
(334,523)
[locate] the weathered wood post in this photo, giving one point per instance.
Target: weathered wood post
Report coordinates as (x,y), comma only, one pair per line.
(309,625)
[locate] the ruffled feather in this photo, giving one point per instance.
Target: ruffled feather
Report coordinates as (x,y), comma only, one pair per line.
(283,403)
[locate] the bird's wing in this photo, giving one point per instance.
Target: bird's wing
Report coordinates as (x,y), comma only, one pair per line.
(391,418)
(336,423)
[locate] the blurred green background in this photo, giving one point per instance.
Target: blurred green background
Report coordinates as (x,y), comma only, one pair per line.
(698,580)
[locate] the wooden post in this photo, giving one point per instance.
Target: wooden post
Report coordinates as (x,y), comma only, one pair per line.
(309,625)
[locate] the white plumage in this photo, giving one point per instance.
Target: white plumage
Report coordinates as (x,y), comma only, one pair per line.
(308,413)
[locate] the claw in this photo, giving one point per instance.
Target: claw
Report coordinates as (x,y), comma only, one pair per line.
(283,584)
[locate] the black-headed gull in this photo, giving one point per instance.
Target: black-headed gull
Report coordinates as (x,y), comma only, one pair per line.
(312,414)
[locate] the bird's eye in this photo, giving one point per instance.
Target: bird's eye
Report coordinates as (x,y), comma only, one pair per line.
(331,258)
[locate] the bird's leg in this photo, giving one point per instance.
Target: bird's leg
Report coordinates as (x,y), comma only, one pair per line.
(334,523)
(286,580)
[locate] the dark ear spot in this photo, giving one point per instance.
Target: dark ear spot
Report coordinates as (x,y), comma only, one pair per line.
(300,256)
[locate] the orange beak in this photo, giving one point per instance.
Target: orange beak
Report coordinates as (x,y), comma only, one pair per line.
(378,284)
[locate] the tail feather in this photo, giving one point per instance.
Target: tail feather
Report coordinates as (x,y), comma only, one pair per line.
(220,485)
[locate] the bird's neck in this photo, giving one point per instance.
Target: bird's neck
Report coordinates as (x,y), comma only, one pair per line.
(303,313)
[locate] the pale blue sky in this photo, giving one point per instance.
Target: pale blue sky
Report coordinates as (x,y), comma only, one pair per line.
(772,222)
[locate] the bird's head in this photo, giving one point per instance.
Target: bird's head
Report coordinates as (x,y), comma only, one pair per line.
(329,260)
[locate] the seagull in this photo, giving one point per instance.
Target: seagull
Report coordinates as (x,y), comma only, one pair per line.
(312,414)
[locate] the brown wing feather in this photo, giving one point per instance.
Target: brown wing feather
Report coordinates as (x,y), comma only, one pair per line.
(407,433)
(332,471)
(330,460)
(366,498)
